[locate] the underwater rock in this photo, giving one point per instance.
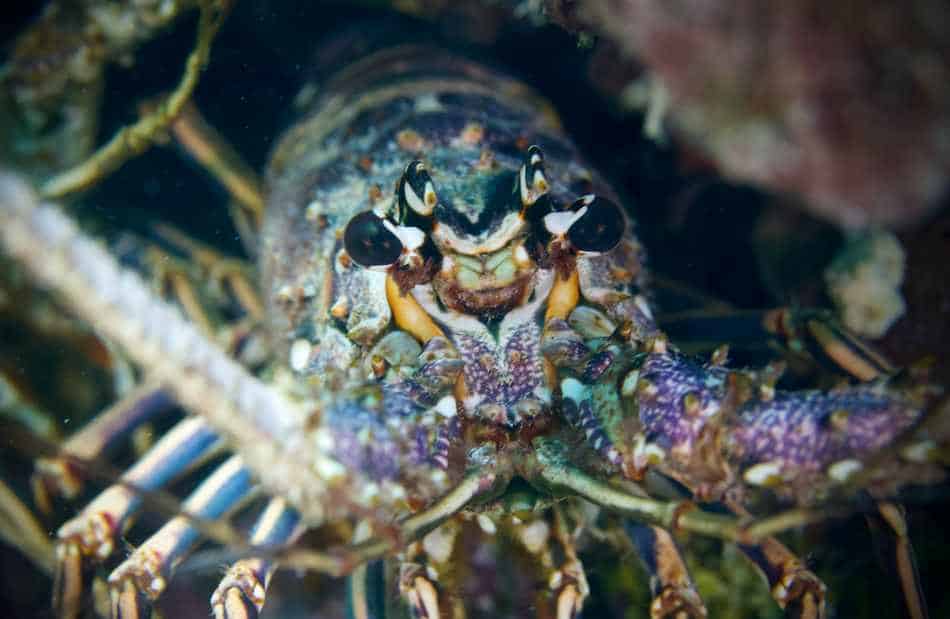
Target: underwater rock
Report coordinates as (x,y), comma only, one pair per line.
(864,282)
(847,106)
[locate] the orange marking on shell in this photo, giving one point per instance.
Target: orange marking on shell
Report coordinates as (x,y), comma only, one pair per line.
(563,297)
(409,315)
(344,259)
(341,308)
(472,134)
(410,140)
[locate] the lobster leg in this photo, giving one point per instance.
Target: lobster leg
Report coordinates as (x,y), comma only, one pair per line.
(212,152)
(15,406)
(366,585)
(798,591)
(135,138)
(142,577)
(227,275)
(59,475)
(794,588)
(551,542)
(552,472)
(420,572)
(891,525)
(174,284)
(241,592)
(20,529)
(674,594)
(93,533)
(366,591)
(813,336)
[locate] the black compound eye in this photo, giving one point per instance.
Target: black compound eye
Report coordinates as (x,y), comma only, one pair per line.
(369,242)
(600,228)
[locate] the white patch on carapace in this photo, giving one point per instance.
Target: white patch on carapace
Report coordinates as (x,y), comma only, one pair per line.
(486,524)
(843,470)
(559,222)
(535,535)
(629,387)
(923,451)
(764,473)
(538,186)
(446,407)
(411,238)
(300,355)
(426,103)
(647,453)
(423,205)
(329,469)
(368,493)
(573,390)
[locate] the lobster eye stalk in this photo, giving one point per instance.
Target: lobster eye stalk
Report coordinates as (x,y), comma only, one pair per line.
(415,192)
(532,183)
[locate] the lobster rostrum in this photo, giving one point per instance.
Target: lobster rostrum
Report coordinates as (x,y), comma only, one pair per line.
(456,305)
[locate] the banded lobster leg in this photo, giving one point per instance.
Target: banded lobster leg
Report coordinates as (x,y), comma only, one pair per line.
(550,540)
(427,571)
(228,278)
(421,572)
(240,594)
(429,567)
(673,591)
(141,578)
(366,593)
(93,534)
(793,587)
(61,475)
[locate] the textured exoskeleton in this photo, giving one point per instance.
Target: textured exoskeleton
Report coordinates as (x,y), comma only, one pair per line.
(453,300)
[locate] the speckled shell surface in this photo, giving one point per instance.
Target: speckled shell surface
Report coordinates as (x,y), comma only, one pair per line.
(470,126)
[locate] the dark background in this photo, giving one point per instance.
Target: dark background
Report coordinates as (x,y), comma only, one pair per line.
(698,228)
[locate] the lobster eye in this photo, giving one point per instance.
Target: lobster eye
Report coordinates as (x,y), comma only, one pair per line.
(370,242)
(416,191)
(597,229)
